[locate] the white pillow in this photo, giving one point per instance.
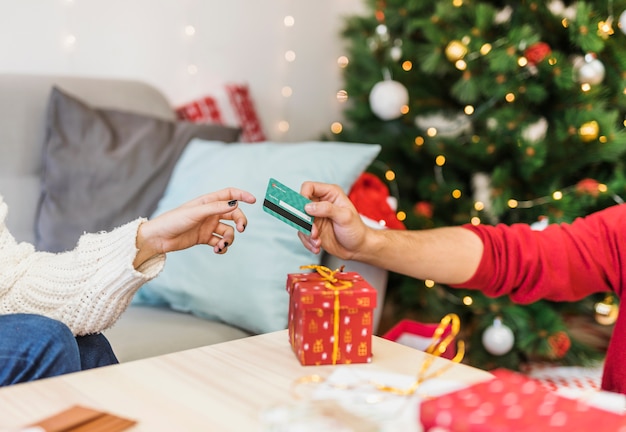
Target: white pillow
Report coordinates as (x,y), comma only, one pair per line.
(246,286)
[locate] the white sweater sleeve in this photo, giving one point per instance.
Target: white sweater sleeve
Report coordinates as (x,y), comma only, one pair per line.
(87,288)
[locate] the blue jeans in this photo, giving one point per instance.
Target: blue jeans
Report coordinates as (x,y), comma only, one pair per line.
(34,347)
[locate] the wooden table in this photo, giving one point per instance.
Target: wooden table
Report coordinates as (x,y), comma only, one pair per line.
(222,387)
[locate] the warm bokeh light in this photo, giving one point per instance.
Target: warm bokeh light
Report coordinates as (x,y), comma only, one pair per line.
(440,160)
(290,56)
(342,95)
(283,126)
(343,61)
(336,127)
(70,41)
(390,175)
(286,91)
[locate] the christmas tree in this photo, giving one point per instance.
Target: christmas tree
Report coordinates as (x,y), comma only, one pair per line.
(493,112)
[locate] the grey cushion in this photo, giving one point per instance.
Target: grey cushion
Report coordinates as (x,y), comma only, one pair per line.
(105,167)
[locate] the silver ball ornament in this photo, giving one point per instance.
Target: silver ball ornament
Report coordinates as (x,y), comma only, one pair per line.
(621,23)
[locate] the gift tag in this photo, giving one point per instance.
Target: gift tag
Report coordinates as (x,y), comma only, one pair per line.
(288,206)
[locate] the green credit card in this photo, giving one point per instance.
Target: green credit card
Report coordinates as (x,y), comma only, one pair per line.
(287,205)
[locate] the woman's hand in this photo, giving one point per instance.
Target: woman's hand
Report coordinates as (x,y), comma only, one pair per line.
(196,222)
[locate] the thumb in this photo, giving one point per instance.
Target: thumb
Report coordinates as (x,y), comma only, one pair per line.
(319,208)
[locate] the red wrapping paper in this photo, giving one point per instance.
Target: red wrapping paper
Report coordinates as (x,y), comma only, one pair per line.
(315,336)
(423,333)
(514,402)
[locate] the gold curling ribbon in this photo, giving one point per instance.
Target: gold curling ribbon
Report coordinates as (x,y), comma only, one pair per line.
(335,285)
(436,349)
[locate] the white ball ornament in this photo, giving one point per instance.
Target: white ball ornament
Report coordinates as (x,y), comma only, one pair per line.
(591,71)
(395,53)
(387,99)
(498,339)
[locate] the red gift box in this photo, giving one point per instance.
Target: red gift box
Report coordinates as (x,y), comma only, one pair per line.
(330,317)
(419,336)
(513,402)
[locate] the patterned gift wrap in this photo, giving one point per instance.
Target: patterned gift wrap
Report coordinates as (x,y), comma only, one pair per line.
(566,377)
(514,402)
(330,316)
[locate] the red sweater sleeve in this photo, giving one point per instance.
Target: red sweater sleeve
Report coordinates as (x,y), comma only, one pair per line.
(564,262)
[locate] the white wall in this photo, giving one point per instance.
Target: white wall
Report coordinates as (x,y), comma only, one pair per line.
(235,40)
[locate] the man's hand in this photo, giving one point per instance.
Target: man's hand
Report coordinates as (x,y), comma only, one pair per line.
(338,226)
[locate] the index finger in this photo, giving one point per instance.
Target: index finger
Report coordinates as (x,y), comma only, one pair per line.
(320,191)
(226,194)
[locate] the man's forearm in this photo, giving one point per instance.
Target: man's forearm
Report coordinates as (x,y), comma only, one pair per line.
(446,255)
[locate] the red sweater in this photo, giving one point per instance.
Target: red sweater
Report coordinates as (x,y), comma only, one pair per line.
(564,262)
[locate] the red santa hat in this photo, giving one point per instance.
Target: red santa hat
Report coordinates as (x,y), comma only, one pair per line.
(371,198)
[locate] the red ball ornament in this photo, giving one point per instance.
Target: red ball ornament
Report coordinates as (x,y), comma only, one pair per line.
(560,344)
(537,52)
(588,186)
(424,209)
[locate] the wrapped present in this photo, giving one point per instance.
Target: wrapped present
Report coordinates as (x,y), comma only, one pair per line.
(420,335)
(330,316)
(513,401)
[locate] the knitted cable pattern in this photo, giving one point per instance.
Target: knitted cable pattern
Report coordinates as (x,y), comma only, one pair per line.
(87,288)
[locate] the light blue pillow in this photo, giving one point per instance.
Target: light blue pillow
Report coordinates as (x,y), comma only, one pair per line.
(246,286)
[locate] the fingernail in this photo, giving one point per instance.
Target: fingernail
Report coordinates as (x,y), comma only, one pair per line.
(309,206)
(232,203)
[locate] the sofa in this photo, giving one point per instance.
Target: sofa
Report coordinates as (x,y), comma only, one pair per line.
(147,328)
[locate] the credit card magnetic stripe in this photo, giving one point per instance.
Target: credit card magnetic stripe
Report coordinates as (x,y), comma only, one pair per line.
(286,214)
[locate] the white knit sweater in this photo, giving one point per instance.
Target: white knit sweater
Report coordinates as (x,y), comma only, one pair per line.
(86,288)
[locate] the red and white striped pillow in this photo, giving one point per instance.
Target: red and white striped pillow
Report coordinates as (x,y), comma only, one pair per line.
(232,107)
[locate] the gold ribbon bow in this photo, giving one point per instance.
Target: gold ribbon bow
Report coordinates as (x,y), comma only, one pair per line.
(335,285)
(436,348)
